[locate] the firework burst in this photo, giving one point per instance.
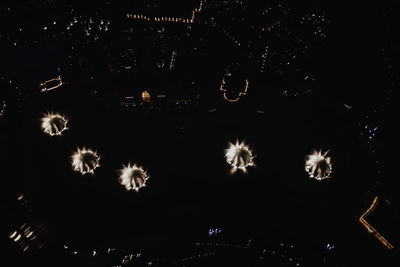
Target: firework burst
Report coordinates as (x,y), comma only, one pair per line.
(133,177)
(54,124)
(319,165)
(85,161)
(239,156)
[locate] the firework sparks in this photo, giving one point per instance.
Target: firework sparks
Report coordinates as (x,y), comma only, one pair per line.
(318,165)
(239,156)
(54,124)
(133,177)
(85,161)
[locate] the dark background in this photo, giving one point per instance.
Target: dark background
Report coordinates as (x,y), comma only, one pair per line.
(190,189)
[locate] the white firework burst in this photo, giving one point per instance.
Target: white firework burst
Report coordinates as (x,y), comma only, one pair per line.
(318,165)
(239,156)
(133,177)
(54,124)
(85,161)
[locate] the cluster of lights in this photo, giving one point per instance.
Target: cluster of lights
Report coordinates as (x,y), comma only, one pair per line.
(158,19)
(169,19)
(318,165)
(274,25)
(214,231)
(195,257)
(126,260)
(24,237)
(173,59)
(369,131)
(287,69)
(128,102)
(282,251)
(93,253)
(264,58)
(90,26)
(239,156)
(130,257)
(266,11)
(85,161)
(330,247)
(318,22)
(54,124)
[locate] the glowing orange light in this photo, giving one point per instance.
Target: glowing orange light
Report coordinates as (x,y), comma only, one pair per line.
(146,96)
(222,88)
(372,229)
(169,19)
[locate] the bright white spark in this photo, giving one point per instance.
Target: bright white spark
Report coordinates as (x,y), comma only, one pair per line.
(54,124)
(318,165)
(85,161)
(133,177)
(239,156)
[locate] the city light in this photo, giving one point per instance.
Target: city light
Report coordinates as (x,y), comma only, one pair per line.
(51,84)
(169,19)
(239,156)
(3,109)
(228,107)
(222,87)
(85,161)
(146,97)
(371,229)
(318,165)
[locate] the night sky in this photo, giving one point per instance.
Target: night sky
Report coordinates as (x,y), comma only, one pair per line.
(336,93)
